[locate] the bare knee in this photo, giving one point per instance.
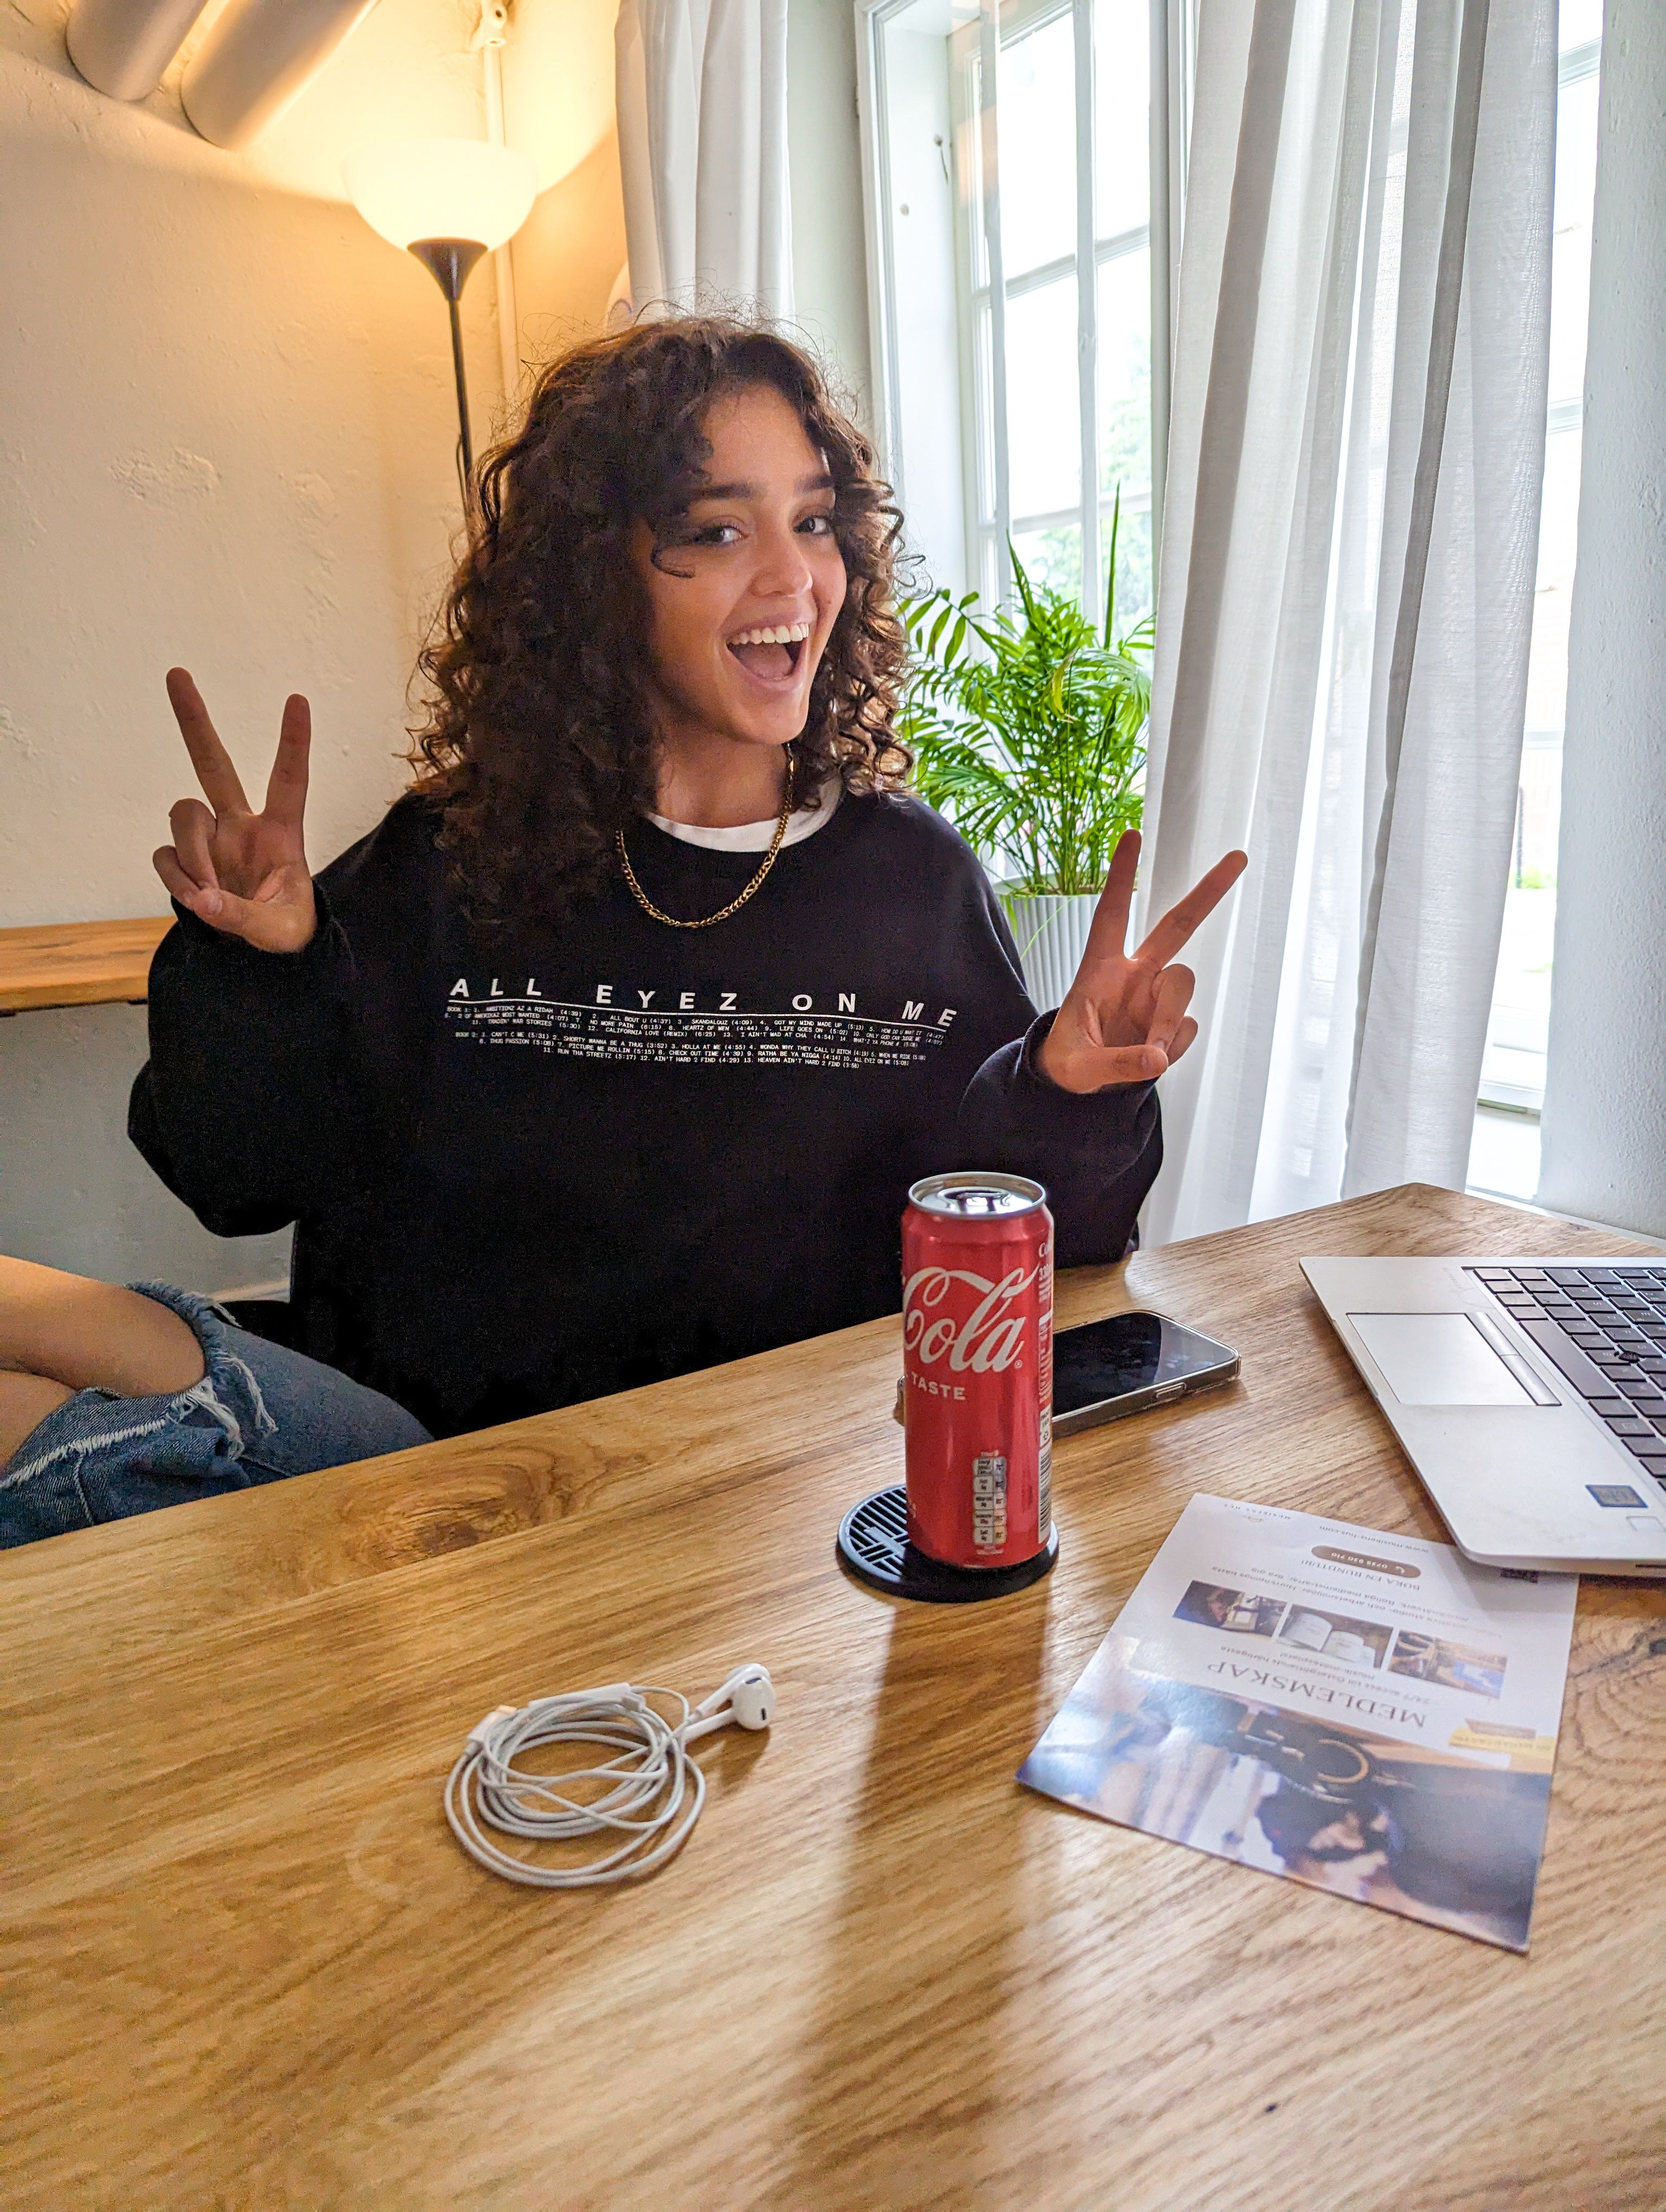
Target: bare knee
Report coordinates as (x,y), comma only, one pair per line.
(25,1401)
(92,1335)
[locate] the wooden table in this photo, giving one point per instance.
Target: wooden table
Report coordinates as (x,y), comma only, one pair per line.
(248,1968)
(78,963)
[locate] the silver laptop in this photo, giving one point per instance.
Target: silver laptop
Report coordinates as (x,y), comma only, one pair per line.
(1530,1395)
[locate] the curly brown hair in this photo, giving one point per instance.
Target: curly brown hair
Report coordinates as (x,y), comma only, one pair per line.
(537,743)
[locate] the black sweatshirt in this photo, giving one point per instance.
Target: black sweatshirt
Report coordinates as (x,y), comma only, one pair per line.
(593,1157)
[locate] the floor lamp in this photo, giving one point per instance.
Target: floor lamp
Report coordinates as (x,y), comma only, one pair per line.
(449,201)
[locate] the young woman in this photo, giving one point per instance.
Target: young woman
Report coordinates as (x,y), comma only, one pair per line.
(612,1050)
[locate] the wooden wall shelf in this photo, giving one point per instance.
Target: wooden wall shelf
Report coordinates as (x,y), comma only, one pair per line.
(78,963)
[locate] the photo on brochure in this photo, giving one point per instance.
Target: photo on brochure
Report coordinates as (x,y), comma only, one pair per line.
(1459,1666)
(1213,1606)
(1304,1697)
(1340,1635)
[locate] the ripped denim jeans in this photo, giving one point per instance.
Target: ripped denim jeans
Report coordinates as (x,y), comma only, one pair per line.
(260,1413)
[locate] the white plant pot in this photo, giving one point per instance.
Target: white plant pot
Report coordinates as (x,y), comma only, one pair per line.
(1052,934)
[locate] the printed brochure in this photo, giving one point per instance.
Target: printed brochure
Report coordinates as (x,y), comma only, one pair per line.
(1368,1714)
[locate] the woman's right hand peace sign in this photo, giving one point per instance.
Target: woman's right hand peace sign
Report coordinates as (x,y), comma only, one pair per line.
(242,872)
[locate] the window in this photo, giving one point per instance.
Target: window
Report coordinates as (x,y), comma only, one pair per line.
(1504,1157)
(1023,168)
(1012,154)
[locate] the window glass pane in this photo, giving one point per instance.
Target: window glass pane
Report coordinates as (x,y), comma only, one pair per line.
(1052,556)
(968,153)
(984,403)
(1513,1068)
(1536,828)
(1134,584)
(1043,175)
(1558,532)
(1125,375)
(1570,277)
(1580,22)
(1043,402)
(1036,123)
(1121,115)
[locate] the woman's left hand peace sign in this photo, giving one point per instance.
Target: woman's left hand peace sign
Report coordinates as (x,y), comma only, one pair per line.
(1124,1018)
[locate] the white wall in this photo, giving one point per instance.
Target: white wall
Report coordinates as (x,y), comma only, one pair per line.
(830,258)
(226,439)
(559,99)
(1604,1129)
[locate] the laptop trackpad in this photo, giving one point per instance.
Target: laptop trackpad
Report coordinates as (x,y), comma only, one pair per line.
(1438,1359)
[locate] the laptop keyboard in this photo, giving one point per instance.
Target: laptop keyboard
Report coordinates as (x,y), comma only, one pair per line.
(1605,1328)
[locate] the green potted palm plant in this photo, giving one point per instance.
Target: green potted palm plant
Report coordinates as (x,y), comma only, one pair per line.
(1028,731)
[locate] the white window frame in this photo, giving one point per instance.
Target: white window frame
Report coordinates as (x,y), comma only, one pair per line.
(986,488)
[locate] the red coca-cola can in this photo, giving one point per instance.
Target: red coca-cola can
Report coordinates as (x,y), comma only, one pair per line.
(977,1369)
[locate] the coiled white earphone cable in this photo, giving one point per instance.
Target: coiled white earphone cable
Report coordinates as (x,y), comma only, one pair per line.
(650,1791)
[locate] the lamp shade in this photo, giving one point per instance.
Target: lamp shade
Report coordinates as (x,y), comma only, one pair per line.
(462,188)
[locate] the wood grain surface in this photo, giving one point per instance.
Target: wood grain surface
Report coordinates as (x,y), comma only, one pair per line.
(247,1967)
(78,963)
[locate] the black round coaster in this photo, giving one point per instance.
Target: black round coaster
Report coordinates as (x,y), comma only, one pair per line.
(873,1545)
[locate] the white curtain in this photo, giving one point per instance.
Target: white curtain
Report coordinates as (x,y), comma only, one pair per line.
(701,95)
(1350,540)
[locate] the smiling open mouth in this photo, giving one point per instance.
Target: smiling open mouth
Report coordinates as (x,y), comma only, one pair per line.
(772,653)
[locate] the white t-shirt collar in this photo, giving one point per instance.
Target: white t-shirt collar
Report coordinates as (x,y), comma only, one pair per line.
(757,836)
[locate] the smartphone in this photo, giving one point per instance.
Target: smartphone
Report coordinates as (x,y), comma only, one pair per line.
(1128,1362)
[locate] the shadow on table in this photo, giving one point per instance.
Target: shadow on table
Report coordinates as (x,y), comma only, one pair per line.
(903,2060)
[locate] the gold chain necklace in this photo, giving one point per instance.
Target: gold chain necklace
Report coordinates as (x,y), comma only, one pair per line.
(658,914)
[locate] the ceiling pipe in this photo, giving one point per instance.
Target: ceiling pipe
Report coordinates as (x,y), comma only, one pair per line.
(122,46)
(258,57)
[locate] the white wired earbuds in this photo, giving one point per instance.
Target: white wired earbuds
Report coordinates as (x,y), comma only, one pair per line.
(652,1789)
